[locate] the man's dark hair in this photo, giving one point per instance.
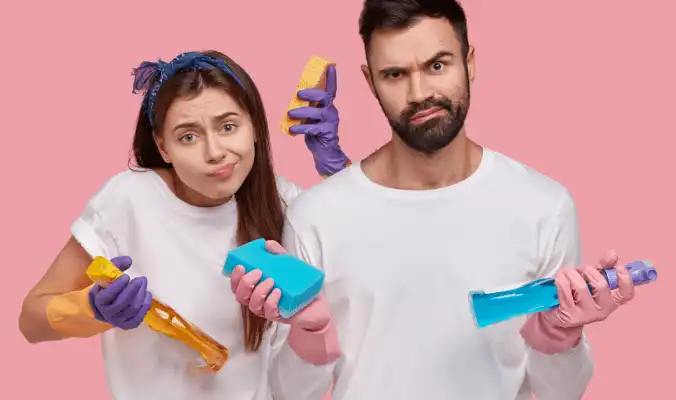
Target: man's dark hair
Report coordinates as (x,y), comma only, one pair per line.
(400,14)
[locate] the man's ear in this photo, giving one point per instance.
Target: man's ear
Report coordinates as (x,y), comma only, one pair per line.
(471,64)
(367,75)
(159,142)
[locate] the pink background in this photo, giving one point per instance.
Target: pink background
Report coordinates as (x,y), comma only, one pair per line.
(581,90)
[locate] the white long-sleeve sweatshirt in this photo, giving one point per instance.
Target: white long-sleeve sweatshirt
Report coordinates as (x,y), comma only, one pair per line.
(399,265)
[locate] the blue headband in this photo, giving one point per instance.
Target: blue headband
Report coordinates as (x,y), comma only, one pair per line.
(148,71)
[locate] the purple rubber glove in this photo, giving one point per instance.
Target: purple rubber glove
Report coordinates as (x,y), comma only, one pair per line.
(321,126)
(125,302)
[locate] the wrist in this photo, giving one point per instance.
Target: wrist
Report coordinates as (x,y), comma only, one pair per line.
(318,347)
(330,163)
(548,338)
(317,328)
(71,315)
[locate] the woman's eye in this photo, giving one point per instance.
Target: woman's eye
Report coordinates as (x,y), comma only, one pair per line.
(228,127)
(188,138)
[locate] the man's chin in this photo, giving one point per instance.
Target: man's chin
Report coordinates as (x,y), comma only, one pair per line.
(428,145)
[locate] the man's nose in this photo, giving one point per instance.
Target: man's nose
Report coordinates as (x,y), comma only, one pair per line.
(418,89)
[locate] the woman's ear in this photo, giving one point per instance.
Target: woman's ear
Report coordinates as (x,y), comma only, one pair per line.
(159,142)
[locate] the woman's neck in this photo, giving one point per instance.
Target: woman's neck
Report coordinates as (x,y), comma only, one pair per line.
(185,193)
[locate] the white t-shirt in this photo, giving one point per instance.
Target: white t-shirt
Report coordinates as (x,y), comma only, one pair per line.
(181,250)
(399,265)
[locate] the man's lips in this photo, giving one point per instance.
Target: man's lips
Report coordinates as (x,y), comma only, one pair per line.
(425,113)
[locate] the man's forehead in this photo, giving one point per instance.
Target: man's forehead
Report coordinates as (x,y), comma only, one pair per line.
(417,43)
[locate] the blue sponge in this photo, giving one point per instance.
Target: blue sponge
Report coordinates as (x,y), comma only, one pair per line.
(299,282)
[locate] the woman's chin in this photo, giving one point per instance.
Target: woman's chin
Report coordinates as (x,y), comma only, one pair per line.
(223,193)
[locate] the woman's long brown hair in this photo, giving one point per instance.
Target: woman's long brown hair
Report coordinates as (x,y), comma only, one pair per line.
(259,205)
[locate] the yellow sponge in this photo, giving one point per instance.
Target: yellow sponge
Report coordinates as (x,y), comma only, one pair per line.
(313,77)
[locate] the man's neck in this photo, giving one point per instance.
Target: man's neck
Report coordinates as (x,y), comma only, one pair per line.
(398,166)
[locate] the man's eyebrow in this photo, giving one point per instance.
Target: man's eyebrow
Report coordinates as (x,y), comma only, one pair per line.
(436,57)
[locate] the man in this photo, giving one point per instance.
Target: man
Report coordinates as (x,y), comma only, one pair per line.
(404,235)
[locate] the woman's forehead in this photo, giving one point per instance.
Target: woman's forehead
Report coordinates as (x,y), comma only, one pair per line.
(210,103)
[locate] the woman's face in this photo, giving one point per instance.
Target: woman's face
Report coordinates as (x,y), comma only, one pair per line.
(209,140)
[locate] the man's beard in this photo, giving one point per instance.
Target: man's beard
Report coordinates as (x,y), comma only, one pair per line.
(436,133)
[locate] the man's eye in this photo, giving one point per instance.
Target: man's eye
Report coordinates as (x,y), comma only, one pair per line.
(437,67)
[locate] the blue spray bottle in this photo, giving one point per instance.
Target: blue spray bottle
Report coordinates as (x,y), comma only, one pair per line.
(490,308)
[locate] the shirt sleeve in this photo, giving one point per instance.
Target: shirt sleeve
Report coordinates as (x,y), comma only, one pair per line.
(287,190)
(94,228)
(563,376)
(292,378)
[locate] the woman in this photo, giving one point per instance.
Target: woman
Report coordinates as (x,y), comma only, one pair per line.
(205,185)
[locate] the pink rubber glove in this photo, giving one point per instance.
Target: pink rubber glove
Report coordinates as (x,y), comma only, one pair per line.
(560,329)
(313,335)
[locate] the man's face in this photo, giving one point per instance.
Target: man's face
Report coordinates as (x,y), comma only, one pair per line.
(421,81)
